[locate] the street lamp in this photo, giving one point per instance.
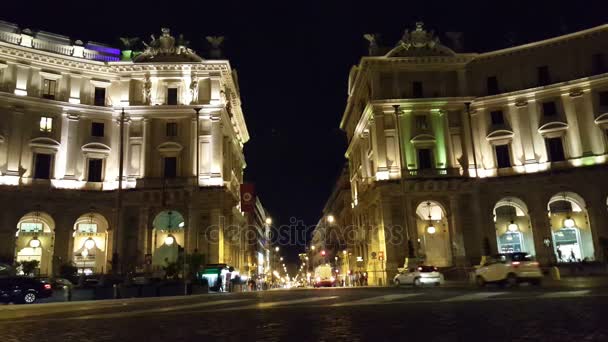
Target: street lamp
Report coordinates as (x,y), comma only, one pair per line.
(276,249)
(330,218)
(169,240)
(268,221)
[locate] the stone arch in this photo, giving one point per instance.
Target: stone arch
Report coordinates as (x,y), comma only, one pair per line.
(570,228)
(35,240)
(91,238)
(168,234)
(513,226)
(433,231)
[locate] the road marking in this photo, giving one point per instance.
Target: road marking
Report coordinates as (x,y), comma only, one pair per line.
(473,296)
(379,299)
(267,305)
(564,294)
(166,310)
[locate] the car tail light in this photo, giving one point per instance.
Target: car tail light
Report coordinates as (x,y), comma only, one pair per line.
(47,286)
(515,263)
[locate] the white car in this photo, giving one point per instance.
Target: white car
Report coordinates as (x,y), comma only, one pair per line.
(418,276)
(509,269)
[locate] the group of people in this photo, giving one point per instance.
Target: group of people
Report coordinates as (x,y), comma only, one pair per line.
(358,278)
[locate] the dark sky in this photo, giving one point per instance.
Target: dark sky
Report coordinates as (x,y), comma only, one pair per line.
(293,62)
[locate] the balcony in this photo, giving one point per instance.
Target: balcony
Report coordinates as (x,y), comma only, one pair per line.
(432,173)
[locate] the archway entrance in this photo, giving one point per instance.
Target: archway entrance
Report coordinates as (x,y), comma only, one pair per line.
(433,234)
(168,233)
(513,228)
(35,243)
(90,241)
(572,239)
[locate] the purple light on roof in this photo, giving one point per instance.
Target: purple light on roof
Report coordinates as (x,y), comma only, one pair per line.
(103,49)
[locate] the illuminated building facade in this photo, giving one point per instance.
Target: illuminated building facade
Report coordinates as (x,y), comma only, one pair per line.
(465,154)
(62,106)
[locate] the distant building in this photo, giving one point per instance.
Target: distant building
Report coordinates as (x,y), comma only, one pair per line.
(61,103)
(465,154)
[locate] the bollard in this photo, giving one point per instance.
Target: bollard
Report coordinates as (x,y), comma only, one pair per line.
(115,288)
(555,273)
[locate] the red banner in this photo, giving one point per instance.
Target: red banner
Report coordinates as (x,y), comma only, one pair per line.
(247,197)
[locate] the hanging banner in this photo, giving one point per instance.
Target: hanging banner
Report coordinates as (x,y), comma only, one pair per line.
(247,197)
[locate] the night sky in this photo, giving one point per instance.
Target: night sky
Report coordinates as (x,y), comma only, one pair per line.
(293,63)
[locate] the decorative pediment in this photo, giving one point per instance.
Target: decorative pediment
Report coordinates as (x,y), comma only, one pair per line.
(44,145)
(602,120)
(96,150)
(423,139)
(418,43)
(170,147)
(500,136)
(553,128)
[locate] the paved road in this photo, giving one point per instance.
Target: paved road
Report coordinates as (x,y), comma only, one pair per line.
(377,314)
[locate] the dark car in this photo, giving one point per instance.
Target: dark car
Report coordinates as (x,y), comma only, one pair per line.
(23,289)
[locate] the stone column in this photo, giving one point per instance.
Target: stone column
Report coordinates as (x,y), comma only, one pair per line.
(457,241)
(522,129)
(193,228)
(15,144)
(214,237)
(380,144)
(144,234)
(217,142)
(575,143)
(145,148)
(598,223)
(72,148)
(195,141)
(541,229)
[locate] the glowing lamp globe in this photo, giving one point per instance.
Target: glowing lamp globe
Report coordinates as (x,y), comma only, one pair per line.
(169,240)
(512,227)
(89,244)
(34,243)
(431,229)
(569,223)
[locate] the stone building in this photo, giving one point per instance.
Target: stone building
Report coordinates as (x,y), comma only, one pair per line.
(456,155)
(73,113)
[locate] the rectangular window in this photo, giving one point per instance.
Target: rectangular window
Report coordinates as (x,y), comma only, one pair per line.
(549,109)
(417,91)
(503,156)
(603,97)
(97,129)
(46,124)
(42,166)
(555,149)
(599,63)
(95,170)
(90,228)
(31,227)
(100,96)
(172,96)
(492,85)
(497,118)
(424,159)
(543,75)
(48,89)
(171,129)
(170,167)
(421,122)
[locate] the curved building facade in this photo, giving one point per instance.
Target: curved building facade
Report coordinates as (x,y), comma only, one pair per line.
(114,158)
(466,154)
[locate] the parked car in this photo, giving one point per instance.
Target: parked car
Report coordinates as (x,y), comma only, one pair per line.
(23,289)
(509,269)
(418,276)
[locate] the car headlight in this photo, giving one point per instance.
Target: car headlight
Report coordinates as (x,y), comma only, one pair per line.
(332,279)
(318,279)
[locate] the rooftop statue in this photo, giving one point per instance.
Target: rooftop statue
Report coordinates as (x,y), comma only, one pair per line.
(215,42)
(419,42)
(167,49)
